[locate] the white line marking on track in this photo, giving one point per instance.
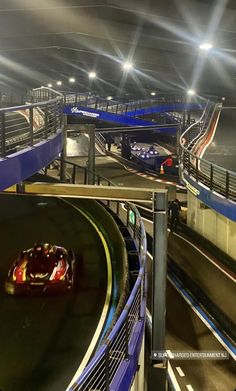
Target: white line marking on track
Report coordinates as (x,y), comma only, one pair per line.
(201,252)
(189,387)
(170,355)
(172,377)
(204,321)
(180,372)
(206,256)
(200,316)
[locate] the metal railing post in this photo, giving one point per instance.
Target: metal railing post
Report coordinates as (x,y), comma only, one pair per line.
(159,288)
(211,176)
(46,122)
(3,134)
(73,173)
(31,119)
(107,372)
(227,184)
(85,175)
(127,337)
(127,216)
(197,168)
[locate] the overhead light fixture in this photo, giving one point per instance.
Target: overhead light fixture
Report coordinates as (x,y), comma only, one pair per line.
(92,75)
(59,83)
(49,85)
(109,98)
(191,92)
(72,80)
(152,93)
(206,46)
(128,66)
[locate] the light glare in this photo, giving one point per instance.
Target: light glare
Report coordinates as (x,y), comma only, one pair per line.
(205,46)
(59,83)
(72,80)
(153,93)
(127,66)
(109,98)
(191,92)
(92,75)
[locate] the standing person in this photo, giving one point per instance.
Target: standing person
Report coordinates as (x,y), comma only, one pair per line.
(109,141)
(168,164)
(174,210)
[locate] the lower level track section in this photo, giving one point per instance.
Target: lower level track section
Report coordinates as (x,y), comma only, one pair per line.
(43,339)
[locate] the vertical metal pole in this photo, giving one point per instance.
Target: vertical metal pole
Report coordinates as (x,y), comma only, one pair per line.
(127,336)
(46,122)
(160,207)
(197,168)
(211,176)
(73,174)
(63,153)
(31,126)
(3,132)
(107,371)
(20,187)
(188,117)
(91,156)
(227,184)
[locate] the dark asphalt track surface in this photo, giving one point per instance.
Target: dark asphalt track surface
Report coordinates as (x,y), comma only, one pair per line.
(222,150)
(43,339)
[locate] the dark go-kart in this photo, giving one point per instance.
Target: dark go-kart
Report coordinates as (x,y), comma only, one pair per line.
(45,268)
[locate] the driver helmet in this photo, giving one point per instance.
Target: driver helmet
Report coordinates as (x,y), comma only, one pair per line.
(41,248)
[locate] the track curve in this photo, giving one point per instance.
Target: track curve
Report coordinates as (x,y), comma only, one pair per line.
(43,339)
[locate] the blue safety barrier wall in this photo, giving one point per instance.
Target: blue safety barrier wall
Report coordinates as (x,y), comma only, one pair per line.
(104,116)
(21,165)
(213,185)
(213,200)
(111,117)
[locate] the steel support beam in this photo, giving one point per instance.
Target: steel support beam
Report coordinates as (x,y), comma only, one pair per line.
(159,369)
(89,191)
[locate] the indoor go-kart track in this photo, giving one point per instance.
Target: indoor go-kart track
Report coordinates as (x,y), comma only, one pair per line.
(43,339)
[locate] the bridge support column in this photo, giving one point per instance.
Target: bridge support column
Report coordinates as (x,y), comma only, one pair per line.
(91,154)
(63,152)
(158,370)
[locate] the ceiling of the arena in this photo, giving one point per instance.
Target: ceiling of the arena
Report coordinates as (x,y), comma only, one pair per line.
(44,41)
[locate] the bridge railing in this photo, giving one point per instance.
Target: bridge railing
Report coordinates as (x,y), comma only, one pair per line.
(120,349)
(214,177)
(104,104)
(104,372)
(26,125)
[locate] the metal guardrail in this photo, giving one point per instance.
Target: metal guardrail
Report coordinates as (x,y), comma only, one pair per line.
(108,105)
(214,177)
(26,125)
(101,372)
(117,107)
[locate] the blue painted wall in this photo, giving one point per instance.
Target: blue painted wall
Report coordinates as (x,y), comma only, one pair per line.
(113,118)
(220,204)
(23,164)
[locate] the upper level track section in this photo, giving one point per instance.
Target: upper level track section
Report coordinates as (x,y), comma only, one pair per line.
(222,149)
(44,339)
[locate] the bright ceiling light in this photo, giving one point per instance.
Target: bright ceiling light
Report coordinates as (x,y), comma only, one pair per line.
(206,46)
(59,83)
(127,66)
(72,80)
(92,75)
(191,92)
(49,85)
(109,98)
(152,93)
